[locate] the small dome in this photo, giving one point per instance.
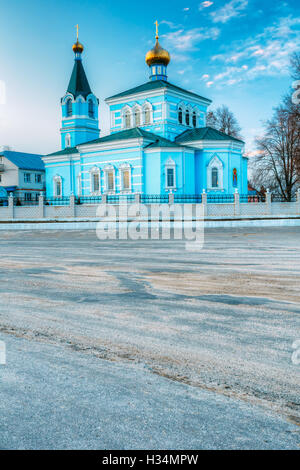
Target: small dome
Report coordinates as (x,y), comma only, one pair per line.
(157,55)
(77,47)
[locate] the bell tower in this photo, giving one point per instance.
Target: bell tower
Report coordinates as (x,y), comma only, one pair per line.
(79,106)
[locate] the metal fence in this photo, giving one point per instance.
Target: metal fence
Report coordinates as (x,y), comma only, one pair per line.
(88,200)
(252,198)
(220,198)
(154,198)
(3,201)
(21,201)
(57,201)
(188,198)
(279,198)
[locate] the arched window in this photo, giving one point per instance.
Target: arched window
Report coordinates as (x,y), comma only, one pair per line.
(147,112)
(126,179)
(180,115)
(125,176)
(91,109)
(194,119)
(137,117)
(57,186)
(109,178)
(69,107)
(95,180)
(214,177)
(68,140)
(127,120)
(215,170)
(234,178)
(170,174)
(187,117)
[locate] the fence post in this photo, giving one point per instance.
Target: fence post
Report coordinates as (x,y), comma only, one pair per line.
(269,201)
(11,206)
(72,205)
(298,200)
(137,198)
(236,202)
(41,205)
(171,198)
(204,202)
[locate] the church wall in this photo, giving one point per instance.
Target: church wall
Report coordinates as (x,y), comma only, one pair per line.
(244,175)
(64,170)
(230,159)
(189,173)
(200,180)
(152,173)
(165,114)
(115,158)
(116,111)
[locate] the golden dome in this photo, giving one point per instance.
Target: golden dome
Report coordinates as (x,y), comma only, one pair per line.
(77,47)
(157,55)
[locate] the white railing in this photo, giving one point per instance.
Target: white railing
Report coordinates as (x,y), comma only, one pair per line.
(73,208)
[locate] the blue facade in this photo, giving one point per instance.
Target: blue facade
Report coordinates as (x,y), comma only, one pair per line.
(158,141)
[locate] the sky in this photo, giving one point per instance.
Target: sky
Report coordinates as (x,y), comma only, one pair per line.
(235,52)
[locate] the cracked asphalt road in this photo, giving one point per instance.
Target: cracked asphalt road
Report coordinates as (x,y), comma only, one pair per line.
(215,327)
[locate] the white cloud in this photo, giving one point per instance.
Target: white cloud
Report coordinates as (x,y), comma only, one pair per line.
(205,5)
(268,54)
(229,10)
(183,41)
(186,9)
(205,77)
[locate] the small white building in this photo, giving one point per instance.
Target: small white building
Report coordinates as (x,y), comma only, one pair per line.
(22,174)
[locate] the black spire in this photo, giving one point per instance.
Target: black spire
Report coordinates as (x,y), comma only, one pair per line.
(79,84)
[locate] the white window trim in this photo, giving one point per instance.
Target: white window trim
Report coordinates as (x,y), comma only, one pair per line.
(125,167)
(93,171)
(170,164)
(147,106)
(107,169)
(127,110)
(56,179)
(79,184)
(215,162)
(134,110)
(67,140)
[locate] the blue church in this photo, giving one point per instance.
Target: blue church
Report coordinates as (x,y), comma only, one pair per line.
(158,141)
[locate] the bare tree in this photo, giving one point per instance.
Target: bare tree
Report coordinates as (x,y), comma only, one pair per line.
(276,166)
(224,120)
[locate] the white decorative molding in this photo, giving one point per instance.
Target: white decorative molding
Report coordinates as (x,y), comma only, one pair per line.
(170,165)
(215,162)
(122,168)
(107,169)
(95,171)
(57,180)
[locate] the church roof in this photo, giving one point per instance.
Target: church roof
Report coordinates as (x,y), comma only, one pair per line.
(66,151)
(204,133)
(135,133)
(79,84)
(154,85)
(25,161)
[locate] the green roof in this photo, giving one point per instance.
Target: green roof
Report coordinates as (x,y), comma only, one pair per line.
(204,133)
(154,85)
(78,84)
(135,133)
(66,151)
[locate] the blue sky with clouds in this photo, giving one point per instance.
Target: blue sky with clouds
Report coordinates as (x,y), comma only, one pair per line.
(235,52)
